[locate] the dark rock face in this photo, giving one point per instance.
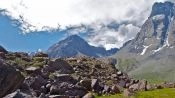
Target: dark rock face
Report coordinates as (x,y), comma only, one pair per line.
(3,50)
(155,31)
(10,79)
(76,46)
(162,8)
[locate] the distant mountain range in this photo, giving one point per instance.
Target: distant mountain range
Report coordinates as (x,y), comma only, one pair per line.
(151,54)
(74,45)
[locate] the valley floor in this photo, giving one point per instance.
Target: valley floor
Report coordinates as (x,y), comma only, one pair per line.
(161,93)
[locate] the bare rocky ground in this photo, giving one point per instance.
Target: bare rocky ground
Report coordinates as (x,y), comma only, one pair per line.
(24,76)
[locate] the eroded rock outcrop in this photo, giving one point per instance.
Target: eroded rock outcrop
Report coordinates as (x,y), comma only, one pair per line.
(10,79)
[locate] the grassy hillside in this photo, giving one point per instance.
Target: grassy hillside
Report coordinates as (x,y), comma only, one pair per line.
(162,93)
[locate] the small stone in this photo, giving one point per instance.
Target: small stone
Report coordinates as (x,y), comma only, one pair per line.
(119,73)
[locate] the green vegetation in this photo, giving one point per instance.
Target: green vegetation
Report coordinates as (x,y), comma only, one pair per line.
(126,64)
(150,77)
(161,93)
(154,73)
(38,61)
(110,96)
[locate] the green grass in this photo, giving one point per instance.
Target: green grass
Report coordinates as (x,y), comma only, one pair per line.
(161,93)
(111,96)
(126,64)
(150,77)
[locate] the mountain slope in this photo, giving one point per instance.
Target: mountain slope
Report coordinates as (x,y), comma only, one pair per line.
(76,46)
(2,49)
(151,53)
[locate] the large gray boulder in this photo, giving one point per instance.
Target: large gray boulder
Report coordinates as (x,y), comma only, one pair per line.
(58,65)
(68,89)
(19,94)
(10,79)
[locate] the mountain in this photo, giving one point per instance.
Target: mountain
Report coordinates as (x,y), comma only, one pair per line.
(151,53)
(74,45)
(2,49)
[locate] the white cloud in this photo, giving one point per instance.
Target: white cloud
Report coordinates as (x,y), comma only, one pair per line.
(38,15)
(50,13)
(110,38)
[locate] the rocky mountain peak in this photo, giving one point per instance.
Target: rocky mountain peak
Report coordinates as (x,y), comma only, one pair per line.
(153,48)
(74,45)
(166,8)
(75,38)
(157,32)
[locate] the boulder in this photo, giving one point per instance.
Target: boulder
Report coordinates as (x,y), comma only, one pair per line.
(128,93)
(134,87)
(35,82)
(159,87)
(114,76)
(58,96)
(86,83)
(106,89)
(89,95)
(140,86)
(41,54)
(94,83)
(169,85)
(119,73)
(122,83)
(19,94)
(65,78)
(68,89)
(96,86)
(32,69)
(10,79)
(2,55)
(60,66)
(115,89)
(149,87)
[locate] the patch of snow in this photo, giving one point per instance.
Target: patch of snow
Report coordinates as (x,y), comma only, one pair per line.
(39,50)
(167,43)
(158,17)
(172,47)
(144,50)
(160,48)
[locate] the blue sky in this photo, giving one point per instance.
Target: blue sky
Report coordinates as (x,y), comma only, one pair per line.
(13,39)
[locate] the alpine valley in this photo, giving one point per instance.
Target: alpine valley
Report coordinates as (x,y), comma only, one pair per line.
(144,67)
